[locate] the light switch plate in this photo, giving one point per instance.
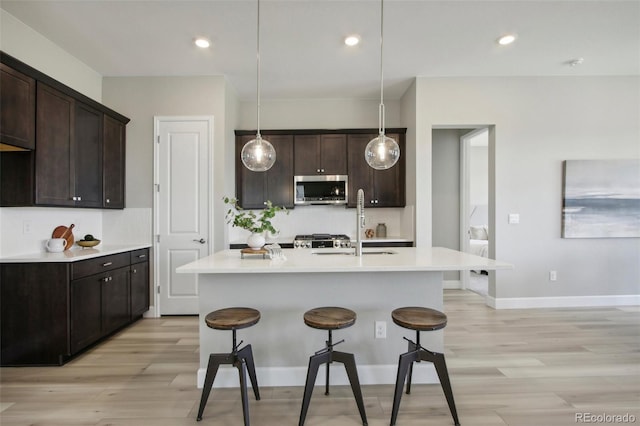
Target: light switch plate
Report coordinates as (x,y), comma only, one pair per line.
(514,218)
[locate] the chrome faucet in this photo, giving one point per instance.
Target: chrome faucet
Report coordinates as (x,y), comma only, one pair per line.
(359,222)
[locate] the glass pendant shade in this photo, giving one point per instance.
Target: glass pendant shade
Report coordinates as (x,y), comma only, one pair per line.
(382,152)
(258,155)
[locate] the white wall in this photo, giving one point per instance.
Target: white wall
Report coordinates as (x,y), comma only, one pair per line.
(539,122)
(142,98)
(29,46)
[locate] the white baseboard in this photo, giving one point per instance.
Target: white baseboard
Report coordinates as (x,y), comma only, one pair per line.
(227,376)
(562,301)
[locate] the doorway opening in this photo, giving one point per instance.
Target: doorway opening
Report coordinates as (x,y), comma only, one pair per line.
(462,197)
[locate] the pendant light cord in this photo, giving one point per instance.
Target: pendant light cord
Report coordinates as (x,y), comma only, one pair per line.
(258,78)
(381,107)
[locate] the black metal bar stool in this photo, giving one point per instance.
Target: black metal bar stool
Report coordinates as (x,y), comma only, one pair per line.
(331,318)
(232,319)
(420,319)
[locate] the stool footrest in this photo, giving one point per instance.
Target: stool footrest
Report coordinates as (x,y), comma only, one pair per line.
(329,347)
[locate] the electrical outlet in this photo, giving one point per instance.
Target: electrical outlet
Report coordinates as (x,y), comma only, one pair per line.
(26,227)
(553,275)
(381,329)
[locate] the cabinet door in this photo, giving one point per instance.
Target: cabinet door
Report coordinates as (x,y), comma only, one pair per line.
(360,174)
(382,188)
(115,300)
(333,154)
(306,155)
(55,120)
(320,154)
(253,189)
(139,289)
(113,140)
(33,313)
(87,152)
(280,176)
(390,184)
(86,311)
(17,108)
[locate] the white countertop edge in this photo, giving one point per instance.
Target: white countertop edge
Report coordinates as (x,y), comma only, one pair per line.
(406,259)
(74,254)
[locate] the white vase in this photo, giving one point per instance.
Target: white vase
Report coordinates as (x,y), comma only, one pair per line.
(256,241)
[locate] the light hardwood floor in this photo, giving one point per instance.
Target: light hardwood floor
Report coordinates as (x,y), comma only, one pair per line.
(510,367)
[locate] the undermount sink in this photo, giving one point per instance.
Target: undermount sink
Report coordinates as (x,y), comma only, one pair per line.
(350,253)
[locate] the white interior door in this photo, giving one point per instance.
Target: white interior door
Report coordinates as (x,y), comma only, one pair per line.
(183,232)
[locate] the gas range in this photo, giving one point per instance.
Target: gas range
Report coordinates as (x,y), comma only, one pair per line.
(322,241)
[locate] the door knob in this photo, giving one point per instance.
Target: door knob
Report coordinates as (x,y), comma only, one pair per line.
(201,241)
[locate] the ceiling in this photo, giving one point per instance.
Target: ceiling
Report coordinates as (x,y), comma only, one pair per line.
(302,49)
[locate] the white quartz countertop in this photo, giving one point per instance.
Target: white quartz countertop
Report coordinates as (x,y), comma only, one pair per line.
(74,254)
(321,260)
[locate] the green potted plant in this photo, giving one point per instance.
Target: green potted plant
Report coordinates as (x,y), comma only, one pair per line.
(256,223)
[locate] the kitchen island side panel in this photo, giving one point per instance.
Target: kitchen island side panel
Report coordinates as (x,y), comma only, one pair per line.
(281,340)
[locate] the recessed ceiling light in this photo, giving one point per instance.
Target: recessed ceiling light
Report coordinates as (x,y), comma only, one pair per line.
(352,40)
(576,62)
(202,42)
(507,39)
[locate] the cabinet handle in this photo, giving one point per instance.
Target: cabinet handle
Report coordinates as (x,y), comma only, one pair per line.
(317,170)
(135,271)
(142,256)
(108,201)
(107,279)
(107,264)
(322,170)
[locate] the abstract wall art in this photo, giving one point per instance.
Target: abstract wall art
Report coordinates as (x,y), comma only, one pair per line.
(601,199)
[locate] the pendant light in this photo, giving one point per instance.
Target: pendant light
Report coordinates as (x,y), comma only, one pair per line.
(382,152)
(258,155)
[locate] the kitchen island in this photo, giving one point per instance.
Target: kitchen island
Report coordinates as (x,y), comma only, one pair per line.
(283,289)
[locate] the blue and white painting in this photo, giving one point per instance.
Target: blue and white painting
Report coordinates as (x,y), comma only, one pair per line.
(601,199)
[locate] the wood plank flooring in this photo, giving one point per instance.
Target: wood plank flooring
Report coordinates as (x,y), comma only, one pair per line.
(509,367)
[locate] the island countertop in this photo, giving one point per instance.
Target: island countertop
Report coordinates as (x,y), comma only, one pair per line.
(328,260)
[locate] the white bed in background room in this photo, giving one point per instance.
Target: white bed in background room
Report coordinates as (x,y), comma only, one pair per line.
(479,241)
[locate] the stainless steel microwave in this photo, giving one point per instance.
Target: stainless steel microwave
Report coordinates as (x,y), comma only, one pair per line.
(321,189)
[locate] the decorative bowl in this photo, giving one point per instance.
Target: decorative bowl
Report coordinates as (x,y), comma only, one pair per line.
(85,243)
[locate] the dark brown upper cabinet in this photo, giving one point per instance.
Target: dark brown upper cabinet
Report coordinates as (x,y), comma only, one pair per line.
(78,158)
(382,188)
(69,151)
(253,189)
(113,157)
(17,110)
(320,154)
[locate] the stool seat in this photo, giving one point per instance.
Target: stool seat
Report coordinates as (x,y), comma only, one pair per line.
(329,318)
(232,318)
(419,318)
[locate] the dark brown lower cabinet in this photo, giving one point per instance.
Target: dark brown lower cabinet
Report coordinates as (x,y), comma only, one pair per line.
(52,311)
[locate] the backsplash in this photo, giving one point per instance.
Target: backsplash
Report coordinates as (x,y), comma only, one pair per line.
(334,220)
(24,230)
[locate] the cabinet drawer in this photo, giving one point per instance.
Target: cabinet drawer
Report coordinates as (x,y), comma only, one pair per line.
(141,255)
(99,264)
